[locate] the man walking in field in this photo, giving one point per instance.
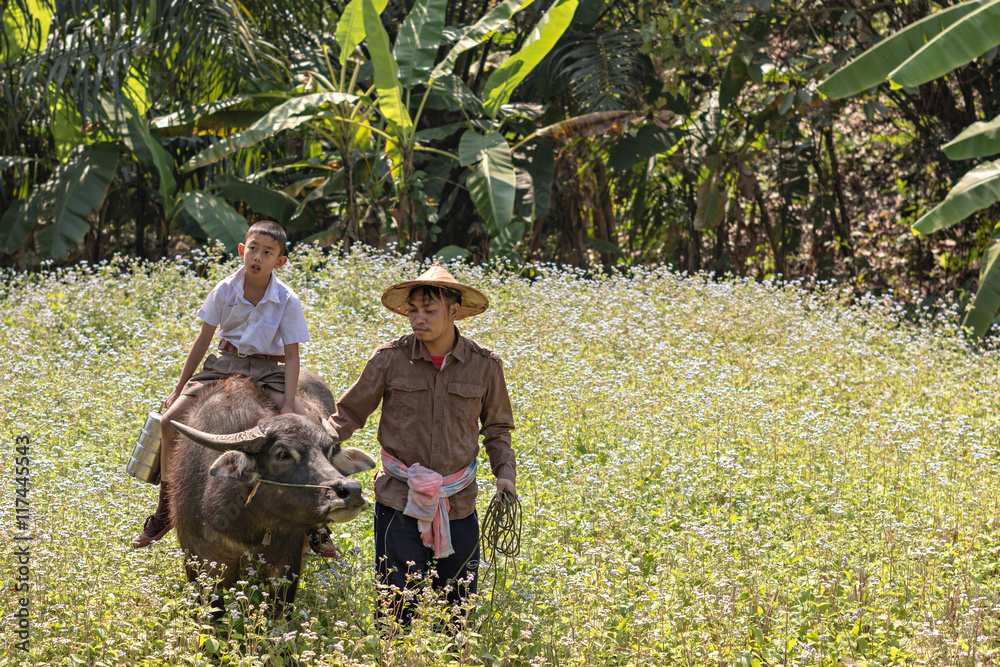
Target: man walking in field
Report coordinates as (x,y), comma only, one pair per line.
(439,392)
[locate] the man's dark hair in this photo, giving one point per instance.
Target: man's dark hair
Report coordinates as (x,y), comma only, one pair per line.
(434,293)
(272,229)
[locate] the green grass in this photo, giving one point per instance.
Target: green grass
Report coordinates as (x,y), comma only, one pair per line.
(712,473)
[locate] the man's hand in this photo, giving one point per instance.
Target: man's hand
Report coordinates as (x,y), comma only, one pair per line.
(504,485)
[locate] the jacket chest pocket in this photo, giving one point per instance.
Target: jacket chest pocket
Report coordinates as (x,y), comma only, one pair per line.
(410,396)
(466,400)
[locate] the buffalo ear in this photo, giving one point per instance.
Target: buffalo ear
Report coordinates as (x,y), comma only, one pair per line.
(350,460)
(234,464)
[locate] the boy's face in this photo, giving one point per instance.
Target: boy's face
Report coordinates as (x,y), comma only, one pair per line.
(428,318)
(261,255)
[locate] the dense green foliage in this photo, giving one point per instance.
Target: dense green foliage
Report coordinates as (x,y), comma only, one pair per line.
(712,472)
(375,124)
(689,133)
(915,55)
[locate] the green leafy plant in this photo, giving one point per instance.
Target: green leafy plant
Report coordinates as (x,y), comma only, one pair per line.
(921,52)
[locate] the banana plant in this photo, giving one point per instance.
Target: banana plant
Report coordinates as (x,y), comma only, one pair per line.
(406,77)
(921,52)
(483,150)
(365,128)
(57,211)
(340,119)
(80,78)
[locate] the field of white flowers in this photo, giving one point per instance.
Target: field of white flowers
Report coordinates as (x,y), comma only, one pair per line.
(712,472)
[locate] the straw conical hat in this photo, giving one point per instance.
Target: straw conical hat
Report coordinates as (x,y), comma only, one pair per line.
(473,301)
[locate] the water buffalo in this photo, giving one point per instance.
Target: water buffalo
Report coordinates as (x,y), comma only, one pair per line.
(270,480)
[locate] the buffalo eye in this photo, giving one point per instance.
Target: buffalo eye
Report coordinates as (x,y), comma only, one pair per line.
(282,455)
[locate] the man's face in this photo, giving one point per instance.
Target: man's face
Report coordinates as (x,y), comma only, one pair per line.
(260,255)
(428,318)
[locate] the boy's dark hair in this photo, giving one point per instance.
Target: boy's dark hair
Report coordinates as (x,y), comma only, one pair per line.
(434,293)
(272,229)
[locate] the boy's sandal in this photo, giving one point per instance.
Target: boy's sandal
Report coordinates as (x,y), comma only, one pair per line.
(155,528)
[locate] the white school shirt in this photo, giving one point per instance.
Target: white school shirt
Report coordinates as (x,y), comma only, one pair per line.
(277,320)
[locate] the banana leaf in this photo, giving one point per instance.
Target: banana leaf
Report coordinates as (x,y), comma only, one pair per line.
(600,245)
(390,92)
(441,132)
(25,31)
(874,65)
(958,45)
(650,140)
(272,203)
(282,117)
(451,94)
(217,117)
(976,190)
(17,223)
(451,253)
(217,218)
(978,140)
(491,182)
(711,202)
(985,304)
(351,27)
(477,33)
(418,41)
(65,126)
(505,79)
(503,244)
(541,166)
(73,192)
(150,152)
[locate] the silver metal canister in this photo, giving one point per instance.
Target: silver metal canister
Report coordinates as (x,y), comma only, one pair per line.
(144,464)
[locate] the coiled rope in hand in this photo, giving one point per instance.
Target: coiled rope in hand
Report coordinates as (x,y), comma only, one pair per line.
(500,535)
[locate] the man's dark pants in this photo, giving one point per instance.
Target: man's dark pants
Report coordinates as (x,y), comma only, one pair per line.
(397,542)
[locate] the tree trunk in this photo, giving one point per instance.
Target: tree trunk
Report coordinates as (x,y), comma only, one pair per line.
(353,227)
(694,236)
(777,250)
(842,222)
(140,236)
(604,213)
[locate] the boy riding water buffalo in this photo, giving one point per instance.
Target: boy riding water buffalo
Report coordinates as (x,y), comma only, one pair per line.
(261,324)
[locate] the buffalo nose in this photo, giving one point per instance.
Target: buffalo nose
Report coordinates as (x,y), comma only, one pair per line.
(350,492)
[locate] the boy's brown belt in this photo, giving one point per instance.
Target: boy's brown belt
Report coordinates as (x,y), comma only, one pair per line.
(226,346)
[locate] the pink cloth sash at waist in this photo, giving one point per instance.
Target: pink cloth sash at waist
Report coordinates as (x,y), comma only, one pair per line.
(427,500)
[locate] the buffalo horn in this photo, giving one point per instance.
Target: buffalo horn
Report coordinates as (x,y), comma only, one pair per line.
(249,441)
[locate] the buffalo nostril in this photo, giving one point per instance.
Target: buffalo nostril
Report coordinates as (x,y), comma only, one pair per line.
(348,490)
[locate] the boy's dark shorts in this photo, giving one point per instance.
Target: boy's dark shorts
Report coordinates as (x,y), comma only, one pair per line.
(219,365)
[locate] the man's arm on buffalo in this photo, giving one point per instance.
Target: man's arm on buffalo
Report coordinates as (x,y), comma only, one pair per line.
(359,401)
(497,419)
